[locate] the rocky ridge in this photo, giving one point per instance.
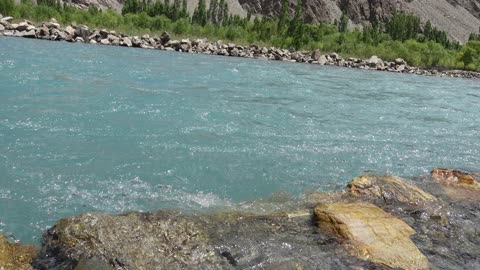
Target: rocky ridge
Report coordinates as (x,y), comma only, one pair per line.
(80,33)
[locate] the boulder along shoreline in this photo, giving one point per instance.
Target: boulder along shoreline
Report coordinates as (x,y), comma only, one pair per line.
(52,30)
(377,222)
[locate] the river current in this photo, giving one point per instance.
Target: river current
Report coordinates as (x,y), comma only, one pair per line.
(109,129)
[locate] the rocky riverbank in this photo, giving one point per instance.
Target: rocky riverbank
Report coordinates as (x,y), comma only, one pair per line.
(52,30)
(377,222)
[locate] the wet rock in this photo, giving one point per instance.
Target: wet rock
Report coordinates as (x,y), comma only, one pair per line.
(79,39)
(14,256)
(458,185)
(455,178)
(373,234)
(164,240)
(388,189)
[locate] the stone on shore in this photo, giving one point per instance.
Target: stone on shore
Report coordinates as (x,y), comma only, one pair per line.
(375,62)
(373,234)
(7,19)
(455,178)
(26,34)
(389,189)
(316,55)
(458,185)
(105,41)
(165,37)
(83,32)
(14,256)
(70,30)
(126,41)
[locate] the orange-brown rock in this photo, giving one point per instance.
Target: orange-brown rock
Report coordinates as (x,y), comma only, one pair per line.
(389,189)
(455,177)
(14,256)
(373,234)
(458,185)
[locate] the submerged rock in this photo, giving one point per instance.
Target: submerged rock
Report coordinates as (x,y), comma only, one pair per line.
(14,256)
(389,189)
(373,234)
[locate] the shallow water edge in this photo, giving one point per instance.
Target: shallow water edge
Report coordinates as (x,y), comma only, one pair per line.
(377,222)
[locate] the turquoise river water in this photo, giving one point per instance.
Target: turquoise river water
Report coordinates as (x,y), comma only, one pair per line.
(110,129)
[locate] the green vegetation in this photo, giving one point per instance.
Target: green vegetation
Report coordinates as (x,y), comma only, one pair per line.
(401,36)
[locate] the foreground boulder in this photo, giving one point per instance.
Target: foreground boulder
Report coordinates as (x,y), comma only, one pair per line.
(389,189)
(132,241)
(373,234)
(14,256)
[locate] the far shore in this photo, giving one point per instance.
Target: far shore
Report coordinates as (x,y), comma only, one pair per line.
(53,31)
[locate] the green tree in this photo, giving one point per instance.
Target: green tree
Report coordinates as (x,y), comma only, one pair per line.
(213,11)
(428,30)
(343,24)
(283,20)
(296,27)
(130,6)
(200,14)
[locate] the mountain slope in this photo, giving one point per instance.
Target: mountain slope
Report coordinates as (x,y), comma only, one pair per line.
(458,18)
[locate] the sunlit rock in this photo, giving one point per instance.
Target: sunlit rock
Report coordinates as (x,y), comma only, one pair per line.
(372,234)
(390,189)
(458,185)
(14,256)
